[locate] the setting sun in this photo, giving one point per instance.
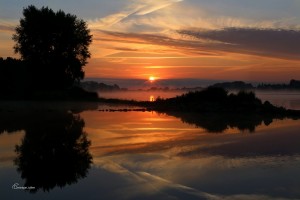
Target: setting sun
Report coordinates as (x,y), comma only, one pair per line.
(152,78)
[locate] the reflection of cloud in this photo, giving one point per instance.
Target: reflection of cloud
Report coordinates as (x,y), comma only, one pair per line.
(158,136)
(149,184)
(254,146)
(141,185)
(146,164)
(135,184)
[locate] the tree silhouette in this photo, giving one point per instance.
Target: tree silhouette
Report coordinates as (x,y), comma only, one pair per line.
(12,78)
(55,44)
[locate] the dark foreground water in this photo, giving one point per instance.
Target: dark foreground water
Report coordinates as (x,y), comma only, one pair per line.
(73,151)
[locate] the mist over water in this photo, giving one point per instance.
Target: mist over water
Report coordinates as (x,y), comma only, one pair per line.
(287,99)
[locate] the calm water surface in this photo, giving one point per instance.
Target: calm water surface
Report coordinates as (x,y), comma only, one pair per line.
(71,151)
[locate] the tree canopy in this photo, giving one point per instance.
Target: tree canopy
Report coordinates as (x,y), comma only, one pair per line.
(55,46)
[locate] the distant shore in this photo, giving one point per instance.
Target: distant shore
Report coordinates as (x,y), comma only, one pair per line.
(210,100)
(163,85)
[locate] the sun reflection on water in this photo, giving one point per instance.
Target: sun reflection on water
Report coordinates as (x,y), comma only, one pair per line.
(152,98)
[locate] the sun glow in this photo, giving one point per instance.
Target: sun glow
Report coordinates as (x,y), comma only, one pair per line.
(152,78)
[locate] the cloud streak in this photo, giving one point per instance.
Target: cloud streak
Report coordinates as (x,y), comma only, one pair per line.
(136,8)
(177,45)
(164,32)
(6,28)
(274,43)
(263,42)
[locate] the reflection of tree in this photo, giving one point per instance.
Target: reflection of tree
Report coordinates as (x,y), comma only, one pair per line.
(219,122)
(16,116)
(216,110)
(54,151)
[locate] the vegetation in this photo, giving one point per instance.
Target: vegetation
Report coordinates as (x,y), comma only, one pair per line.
(211,99)
(294,84)
(13,78)
(95,86)
(239,85)
(54,44)
(54,49)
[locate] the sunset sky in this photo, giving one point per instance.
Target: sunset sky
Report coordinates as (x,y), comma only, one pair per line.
(257,40)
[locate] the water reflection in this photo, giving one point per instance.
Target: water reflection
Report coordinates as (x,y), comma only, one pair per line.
(218,123)
(145,132)
(16,116)
(147,156)
(54,151)
(144,155)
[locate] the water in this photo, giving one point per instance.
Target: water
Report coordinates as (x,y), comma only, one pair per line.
(73,151)
(287,99)
(140,95)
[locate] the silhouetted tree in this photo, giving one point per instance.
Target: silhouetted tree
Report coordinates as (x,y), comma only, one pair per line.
(295,84)
(55,44)
(13,78)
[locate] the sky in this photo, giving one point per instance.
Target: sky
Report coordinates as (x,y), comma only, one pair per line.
(257,40)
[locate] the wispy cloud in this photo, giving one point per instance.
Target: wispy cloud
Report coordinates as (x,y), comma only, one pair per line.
(164,32)
(8,25)
(135,8)
(7,28)
(265,42)
(161,16)
(179,45)
(276,43)
(150,6)
(166,26)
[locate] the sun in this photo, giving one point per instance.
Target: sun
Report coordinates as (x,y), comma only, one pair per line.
(152,78)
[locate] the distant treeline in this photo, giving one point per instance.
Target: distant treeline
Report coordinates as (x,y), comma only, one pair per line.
(166,89)
(240,85)
(294,84)
(98,86)
(95,86)
(235,85)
